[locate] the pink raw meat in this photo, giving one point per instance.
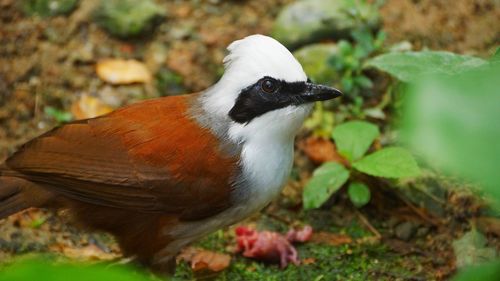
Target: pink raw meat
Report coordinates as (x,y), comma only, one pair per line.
(271,246)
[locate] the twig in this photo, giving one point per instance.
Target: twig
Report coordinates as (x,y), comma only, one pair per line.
(370,227)
(279,218)
(417,211)
(427,193)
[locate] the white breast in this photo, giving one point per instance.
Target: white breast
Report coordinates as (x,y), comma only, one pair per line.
(266,167)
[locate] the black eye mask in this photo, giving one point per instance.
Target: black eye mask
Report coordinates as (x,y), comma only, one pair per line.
(269,94)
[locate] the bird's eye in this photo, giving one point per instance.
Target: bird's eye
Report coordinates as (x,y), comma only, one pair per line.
(269,85)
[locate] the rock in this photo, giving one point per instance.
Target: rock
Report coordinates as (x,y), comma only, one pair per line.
(47,8)
(128,18)
(314,59)
(405,231)
(472,249)
(308,21)
(422,232)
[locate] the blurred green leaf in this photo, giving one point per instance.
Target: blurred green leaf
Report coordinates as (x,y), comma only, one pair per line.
(353,138)
(59,115)
(363,82)
(345,48)
(321,121)
(380,39)
(47,8)
(365,43)
(347,84)
(410,66)
(496,56)
(392,162)
(39,270)
(359,194)
(326,180)
(484,272)
(37,223)
(452,122)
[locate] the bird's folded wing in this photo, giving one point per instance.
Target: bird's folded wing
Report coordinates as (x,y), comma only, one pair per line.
(149,157)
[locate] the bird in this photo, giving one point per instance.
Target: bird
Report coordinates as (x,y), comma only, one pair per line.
(162,173)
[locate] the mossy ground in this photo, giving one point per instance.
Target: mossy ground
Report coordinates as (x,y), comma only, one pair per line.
(355,261)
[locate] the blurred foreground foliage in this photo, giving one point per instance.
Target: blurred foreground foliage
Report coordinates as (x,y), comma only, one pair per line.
(450,114)
(42,270)
(450,111)
(485,272)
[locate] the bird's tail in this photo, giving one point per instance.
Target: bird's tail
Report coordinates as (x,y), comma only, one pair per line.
(12,199)
(17,194)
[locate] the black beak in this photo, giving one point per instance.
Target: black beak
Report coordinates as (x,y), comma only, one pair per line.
(316,92)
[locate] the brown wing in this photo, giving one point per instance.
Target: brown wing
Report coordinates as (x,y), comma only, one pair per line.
(147,157)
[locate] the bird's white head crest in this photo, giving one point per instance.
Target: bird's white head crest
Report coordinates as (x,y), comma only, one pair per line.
(250,59)
(263,89)
(257,56)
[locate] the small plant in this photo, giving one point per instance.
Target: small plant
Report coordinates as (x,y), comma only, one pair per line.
(129,18)
(48,8)
(59,115)
(348,63)
(353,139)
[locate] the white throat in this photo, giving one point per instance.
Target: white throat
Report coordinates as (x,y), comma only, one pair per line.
(267,151)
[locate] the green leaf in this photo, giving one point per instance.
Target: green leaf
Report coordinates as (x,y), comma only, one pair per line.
(484,272)
(409,66)
(392,162)
(363,81)
(59,115)
(353,138)
(345,47)
(364,39)
(326,180)
(496,56)
(359,194)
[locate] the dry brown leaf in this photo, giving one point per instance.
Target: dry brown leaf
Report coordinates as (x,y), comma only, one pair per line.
(90,252)
(119,71)
(307,261)
(331,238)
(203,259)
(320,150)
(89,107)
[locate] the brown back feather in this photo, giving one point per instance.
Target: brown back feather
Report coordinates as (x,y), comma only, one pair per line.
(148,157)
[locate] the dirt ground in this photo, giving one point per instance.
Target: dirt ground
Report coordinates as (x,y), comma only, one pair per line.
(51,62)
(464,26)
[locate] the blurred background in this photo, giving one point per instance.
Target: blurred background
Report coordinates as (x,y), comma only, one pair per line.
(399,179)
